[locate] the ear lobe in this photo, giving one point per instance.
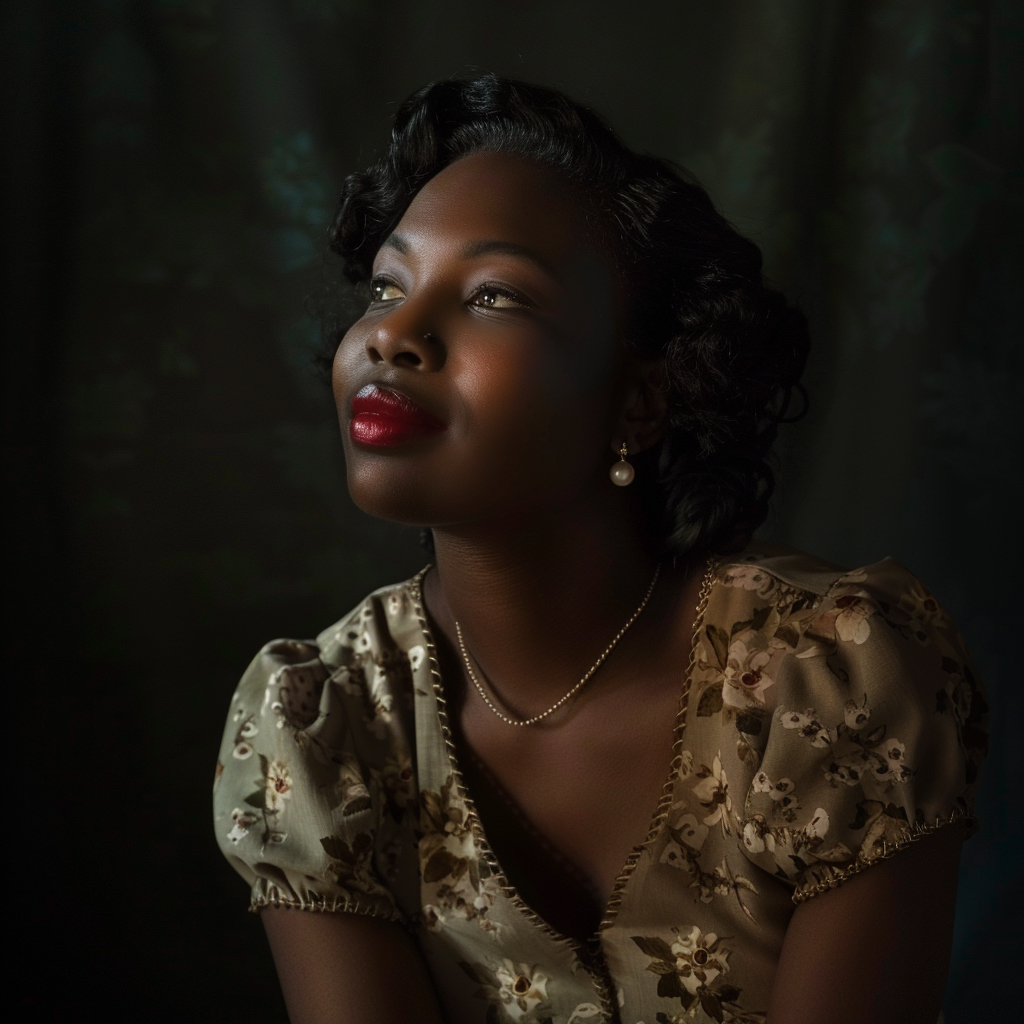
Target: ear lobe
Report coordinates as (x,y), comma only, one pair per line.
(645,416)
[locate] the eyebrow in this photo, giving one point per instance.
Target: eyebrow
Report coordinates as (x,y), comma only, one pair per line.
(396,242)
(496,247)
(483,247)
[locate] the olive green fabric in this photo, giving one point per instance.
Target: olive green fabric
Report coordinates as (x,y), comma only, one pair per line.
(832,719)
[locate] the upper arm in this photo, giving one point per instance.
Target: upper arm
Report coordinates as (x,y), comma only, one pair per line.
(875,949)
(340,968)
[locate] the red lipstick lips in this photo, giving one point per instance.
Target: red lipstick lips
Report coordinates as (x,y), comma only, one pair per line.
(383,418)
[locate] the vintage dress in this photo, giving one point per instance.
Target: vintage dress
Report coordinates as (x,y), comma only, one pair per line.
(833,718)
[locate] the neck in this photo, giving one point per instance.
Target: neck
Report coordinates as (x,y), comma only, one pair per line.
(538,599)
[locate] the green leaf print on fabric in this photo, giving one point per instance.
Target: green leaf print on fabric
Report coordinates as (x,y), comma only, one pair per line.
(692,969)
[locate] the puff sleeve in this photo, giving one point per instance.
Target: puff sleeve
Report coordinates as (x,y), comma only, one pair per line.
(876,735)
(303,809)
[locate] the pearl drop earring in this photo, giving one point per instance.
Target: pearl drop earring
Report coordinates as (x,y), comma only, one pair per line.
(622,472)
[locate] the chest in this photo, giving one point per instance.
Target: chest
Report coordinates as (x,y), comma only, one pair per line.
(563,806)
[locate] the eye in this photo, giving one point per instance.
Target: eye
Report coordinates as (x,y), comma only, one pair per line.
(490,296)
(383,289)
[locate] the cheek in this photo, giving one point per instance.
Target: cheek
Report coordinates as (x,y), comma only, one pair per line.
(535,419)
(530,424)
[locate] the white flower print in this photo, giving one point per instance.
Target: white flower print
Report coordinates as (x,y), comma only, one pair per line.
(857,715)
(242,821)
(852,621)
(781,789)
(817,827)
(379,683)
(279,786)
(673,856)
(753,836)
(806,722)
(692,970)
(697,965)
(587,1011)
(521,987)
(848,770)
(924,612)
(847,619)
(685,764)
(747,675)
(796,719)
(894,754)
(278,708)
(453,882)
(750,577)
(692,831)
(243,751)
(782,793)
(712,790)
(416,656)
(517,992)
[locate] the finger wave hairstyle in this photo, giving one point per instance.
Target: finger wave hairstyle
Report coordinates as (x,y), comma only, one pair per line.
(733,348)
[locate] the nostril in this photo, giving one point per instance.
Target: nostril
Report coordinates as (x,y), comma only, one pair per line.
(408,359)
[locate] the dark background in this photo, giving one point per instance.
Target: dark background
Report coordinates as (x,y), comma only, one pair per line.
(176,493)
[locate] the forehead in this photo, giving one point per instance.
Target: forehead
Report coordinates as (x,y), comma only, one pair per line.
(503,197)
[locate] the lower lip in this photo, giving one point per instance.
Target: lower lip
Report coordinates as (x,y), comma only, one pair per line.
(387,431)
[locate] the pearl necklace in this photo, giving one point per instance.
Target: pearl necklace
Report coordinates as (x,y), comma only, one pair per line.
(576,689)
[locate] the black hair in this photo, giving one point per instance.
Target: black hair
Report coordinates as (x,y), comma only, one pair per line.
(734,349)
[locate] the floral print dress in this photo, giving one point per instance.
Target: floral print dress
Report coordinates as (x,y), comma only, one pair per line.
(833,718)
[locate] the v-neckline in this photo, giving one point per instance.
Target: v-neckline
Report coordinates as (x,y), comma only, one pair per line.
(483,847)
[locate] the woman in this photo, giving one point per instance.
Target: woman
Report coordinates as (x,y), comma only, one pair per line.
(605,759)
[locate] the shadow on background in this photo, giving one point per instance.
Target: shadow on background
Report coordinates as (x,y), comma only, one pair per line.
(176,488)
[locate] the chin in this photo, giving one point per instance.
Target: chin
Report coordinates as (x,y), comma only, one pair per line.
(394,492)
(438,492)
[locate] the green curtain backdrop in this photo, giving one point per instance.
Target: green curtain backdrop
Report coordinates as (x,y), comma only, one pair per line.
(176,488)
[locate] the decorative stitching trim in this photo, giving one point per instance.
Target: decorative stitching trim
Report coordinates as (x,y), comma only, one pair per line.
(321,904)
(829,877)
(475,825)
(591,957)
(668,788)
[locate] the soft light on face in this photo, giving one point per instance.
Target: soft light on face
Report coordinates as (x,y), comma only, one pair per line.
(494,316)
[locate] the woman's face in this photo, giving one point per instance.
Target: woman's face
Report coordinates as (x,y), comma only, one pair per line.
(487,378)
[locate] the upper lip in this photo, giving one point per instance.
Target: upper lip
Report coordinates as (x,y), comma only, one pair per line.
(384,401)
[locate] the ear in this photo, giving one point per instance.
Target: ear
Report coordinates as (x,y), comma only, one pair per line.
(644,419)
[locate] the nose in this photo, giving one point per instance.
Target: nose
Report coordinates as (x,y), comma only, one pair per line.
(398,342)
